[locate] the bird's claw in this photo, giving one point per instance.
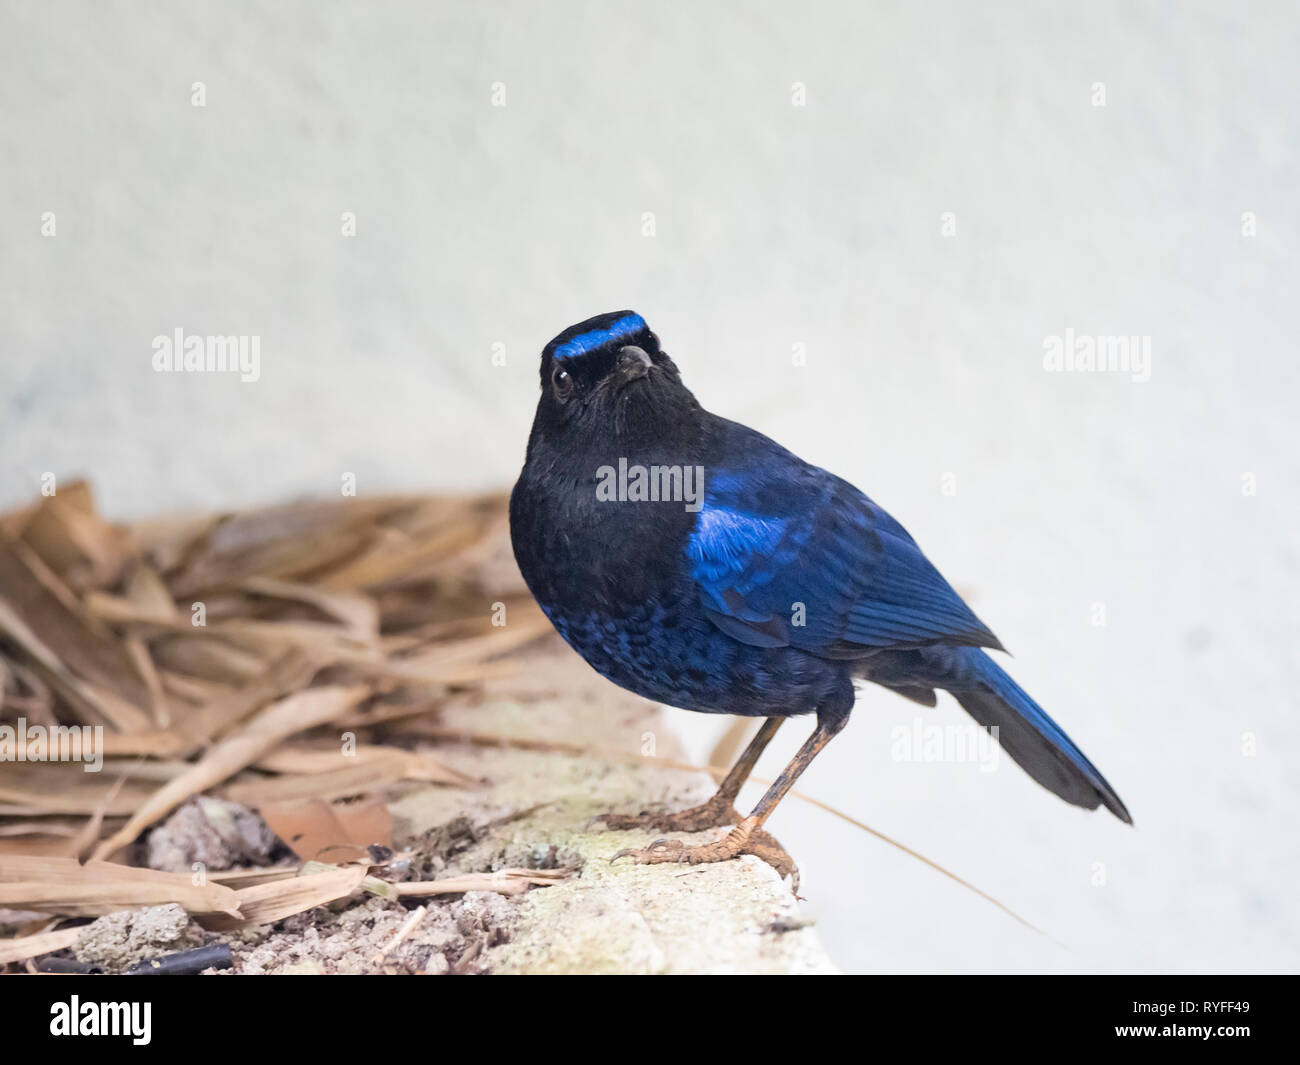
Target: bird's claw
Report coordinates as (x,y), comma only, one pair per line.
(674,850)
(676,846)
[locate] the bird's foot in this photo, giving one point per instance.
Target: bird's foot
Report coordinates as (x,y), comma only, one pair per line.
(764,845)
(745,838)
(712,814)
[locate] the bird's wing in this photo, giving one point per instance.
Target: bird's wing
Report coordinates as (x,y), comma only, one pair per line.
(786,554)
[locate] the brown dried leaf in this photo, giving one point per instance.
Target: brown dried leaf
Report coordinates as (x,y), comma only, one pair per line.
(241,878)
(199,657)
(312,827)
(354,778)
(25,947)
(61,885)
(82,662)
(37,701)
(414,765)
(357,612)
(274,901)
(63,788)
(503,882)
(144,667)
(146,589)
(290,672)
(282,541)
(70,538)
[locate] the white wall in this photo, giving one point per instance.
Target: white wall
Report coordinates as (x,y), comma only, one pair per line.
(775,225)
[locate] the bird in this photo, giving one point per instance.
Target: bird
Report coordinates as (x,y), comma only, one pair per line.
(698,563)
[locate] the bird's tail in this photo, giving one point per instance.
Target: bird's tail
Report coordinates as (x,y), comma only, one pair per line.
(992,698)
(1033,739)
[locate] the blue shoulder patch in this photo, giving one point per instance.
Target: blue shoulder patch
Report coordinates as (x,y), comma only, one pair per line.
(760,549)
(628,326)
(726,541)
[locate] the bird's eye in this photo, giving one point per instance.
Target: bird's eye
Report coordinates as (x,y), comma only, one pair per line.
(562,380)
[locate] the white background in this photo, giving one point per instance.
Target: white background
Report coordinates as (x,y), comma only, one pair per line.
(775,225)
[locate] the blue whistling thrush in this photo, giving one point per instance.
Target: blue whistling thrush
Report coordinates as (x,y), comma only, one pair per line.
(695,562)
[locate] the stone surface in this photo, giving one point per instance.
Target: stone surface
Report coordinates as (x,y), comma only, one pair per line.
(119,940)
(734,917)
(214,832)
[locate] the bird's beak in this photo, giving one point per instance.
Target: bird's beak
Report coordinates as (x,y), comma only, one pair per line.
(633,363)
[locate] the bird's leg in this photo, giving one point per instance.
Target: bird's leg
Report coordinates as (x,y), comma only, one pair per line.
(747,836)
(719,810)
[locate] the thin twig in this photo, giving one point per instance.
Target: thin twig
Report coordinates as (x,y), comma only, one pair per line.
(402,933)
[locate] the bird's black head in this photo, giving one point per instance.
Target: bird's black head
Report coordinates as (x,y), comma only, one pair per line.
(607,379)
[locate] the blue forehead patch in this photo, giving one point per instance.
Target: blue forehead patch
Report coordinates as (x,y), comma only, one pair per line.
(627,326)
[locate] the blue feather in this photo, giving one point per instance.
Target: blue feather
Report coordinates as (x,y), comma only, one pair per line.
(725,540)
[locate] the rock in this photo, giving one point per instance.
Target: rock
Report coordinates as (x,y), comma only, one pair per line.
(119,940)
(212,832)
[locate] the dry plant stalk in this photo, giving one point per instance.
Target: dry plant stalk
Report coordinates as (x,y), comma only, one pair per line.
(25,947)
(52,884)
(503,882)
(278,899)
